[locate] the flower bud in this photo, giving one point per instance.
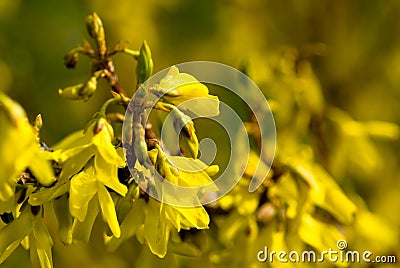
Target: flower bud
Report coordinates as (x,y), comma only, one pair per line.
(94,26)
(144,67)
(99,125)
(38,123)
(80,91)
(160,166)
(189,145)
(72,92)
(183,123)
(89,88)
(140,146)
(71,59)
(184,126)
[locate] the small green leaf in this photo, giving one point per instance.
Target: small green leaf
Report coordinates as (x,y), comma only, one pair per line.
(144,67)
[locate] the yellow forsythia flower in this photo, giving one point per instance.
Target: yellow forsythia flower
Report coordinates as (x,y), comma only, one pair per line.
(188,93)
(19,149)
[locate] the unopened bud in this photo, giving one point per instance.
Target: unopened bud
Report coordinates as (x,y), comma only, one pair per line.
(189,146)
(38,122)
(144,67)
(80,91)
(184,126)
(72,92)
(99,126)
(89,88)
(94,26)
(188,129)
(183,123)
(71,59)
(161,169)
(140,146)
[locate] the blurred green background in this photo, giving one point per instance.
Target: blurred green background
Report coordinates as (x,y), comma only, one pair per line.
(358,66)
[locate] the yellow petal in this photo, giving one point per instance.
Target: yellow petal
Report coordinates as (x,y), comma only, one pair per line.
(102,141)
(108,210)
(14,231)
(196,217)
(64,219)
(44,195)
(193,94)
(107,174)
(42,169)
(156,231)
(83,188)
(81,230)
(132,222)
(18,144)
(43,243)
(192,172)
(319,235)
(72,140)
